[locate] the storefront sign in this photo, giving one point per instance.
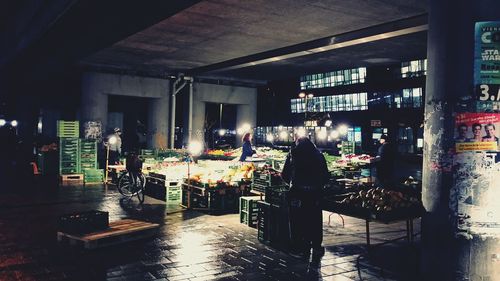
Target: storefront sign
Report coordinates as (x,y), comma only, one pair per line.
(477,132)
(487,61)
(376,123)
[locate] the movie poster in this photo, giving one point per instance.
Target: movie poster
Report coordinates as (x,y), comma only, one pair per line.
(477,132)
(487,61)
(93,130)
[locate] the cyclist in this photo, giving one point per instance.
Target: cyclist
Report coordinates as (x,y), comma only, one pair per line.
(134,166)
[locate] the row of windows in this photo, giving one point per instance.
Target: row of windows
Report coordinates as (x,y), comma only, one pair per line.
(347,102)
(407,98)
(414,68)
(318,135)
(334,78)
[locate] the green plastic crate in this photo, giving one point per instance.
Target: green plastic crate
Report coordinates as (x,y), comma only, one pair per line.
(249,210)
(68,129)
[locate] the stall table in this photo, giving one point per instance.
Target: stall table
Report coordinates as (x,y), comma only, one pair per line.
(406,214)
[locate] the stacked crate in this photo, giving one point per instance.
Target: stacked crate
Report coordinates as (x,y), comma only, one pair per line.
(68,129)
(93,175)
(147,153)
(88,154)
(249,210)
(69,157)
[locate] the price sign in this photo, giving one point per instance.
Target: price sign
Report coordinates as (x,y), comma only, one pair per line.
(488,92)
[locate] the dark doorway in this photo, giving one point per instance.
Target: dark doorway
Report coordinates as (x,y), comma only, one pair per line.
(135,119)
(220,124)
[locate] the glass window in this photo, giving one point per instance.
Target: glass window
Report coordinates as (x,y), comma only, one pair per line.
(334,78)
(414,68)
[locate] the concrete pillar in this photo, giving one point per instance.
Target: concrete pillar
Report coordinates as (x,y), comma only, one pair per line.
(198,122)
(446,256)
(246,114)
(158,114)
(94,106)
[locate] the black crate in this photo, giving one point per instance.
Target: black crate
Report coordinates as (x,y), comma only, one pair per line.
(219,200)
(84,222)
(276,195)
(273,226)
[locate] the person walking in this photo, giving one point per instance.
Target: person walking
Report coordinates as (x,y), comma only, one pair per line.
(385,161)
(115,146)
(306,172)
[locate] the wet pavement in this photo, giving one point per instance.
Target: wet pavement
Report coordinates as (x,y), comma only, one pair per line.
(189,245)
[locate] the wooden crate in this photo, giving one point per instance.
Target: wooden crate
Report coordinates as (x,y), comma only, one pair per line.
(70,179)
(118,232)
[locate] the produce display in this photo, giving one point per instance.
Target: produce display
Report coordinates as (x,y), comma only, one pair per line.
(365,158)
(219,173)
(379,199)
(375,202)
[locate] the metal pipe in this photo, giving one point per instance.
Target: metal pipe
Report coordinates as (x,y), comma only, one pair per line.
(190,112)
(172,112)
(172,122)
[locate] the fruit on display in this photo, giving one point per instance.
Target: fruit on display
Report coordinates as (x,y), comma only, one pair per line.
(381,200)
(219,173)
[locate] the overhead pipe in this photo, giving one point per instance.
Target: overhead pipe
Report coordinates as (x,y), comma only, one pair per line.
(178,85)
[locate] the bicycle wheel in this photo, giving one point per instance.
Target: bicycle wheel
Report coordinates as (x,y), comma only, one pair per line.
(140,185)
(126,186)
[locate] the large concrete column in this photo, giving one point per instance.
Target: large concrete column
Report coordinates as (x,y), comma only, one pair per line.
(94,106)
(158,114)
(246,114)
(198,122)
(446,256)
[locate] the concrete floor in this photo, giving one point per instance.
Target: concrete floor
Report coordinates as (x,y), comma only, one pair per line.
(189,246)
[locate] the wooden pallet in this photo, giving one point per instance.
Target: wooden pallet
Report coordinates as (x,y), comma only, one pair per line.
(118,232)
(71,179)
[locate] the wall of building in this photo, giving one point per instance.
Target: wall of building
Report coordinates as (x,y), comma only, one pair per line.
(96,87)
(245,98)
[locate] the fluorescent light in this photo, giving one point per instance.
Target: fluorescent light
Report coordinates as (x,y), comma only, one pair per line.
(195,148)
(301,132)
(322,135)
(283,135)
(343,129)
(270,137)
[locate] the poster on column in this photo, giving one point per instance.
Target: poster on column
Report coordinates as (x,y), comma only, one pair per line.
(487,53)
(487,65)
(477,132)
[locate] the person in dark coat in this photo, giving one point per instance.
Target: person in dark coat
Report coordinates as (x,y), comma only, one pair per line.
(306,172)
(247,149)
(385,161)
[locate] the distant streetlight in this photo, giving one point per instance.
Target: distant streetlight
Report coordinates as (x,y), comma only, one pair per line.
(2,122)
(13,123)
(343,129)
(306,98)
(270,138)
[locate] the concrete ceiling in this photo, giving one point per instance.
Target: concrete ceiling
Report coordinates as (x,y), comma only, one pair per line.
(250,40)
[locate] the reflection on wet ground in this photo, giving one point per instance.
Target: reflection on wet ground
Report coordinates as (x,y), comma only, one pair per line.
(189,246)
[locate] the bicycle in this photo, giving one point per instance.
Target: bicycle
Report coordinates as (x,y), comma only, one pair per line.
(132,184)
